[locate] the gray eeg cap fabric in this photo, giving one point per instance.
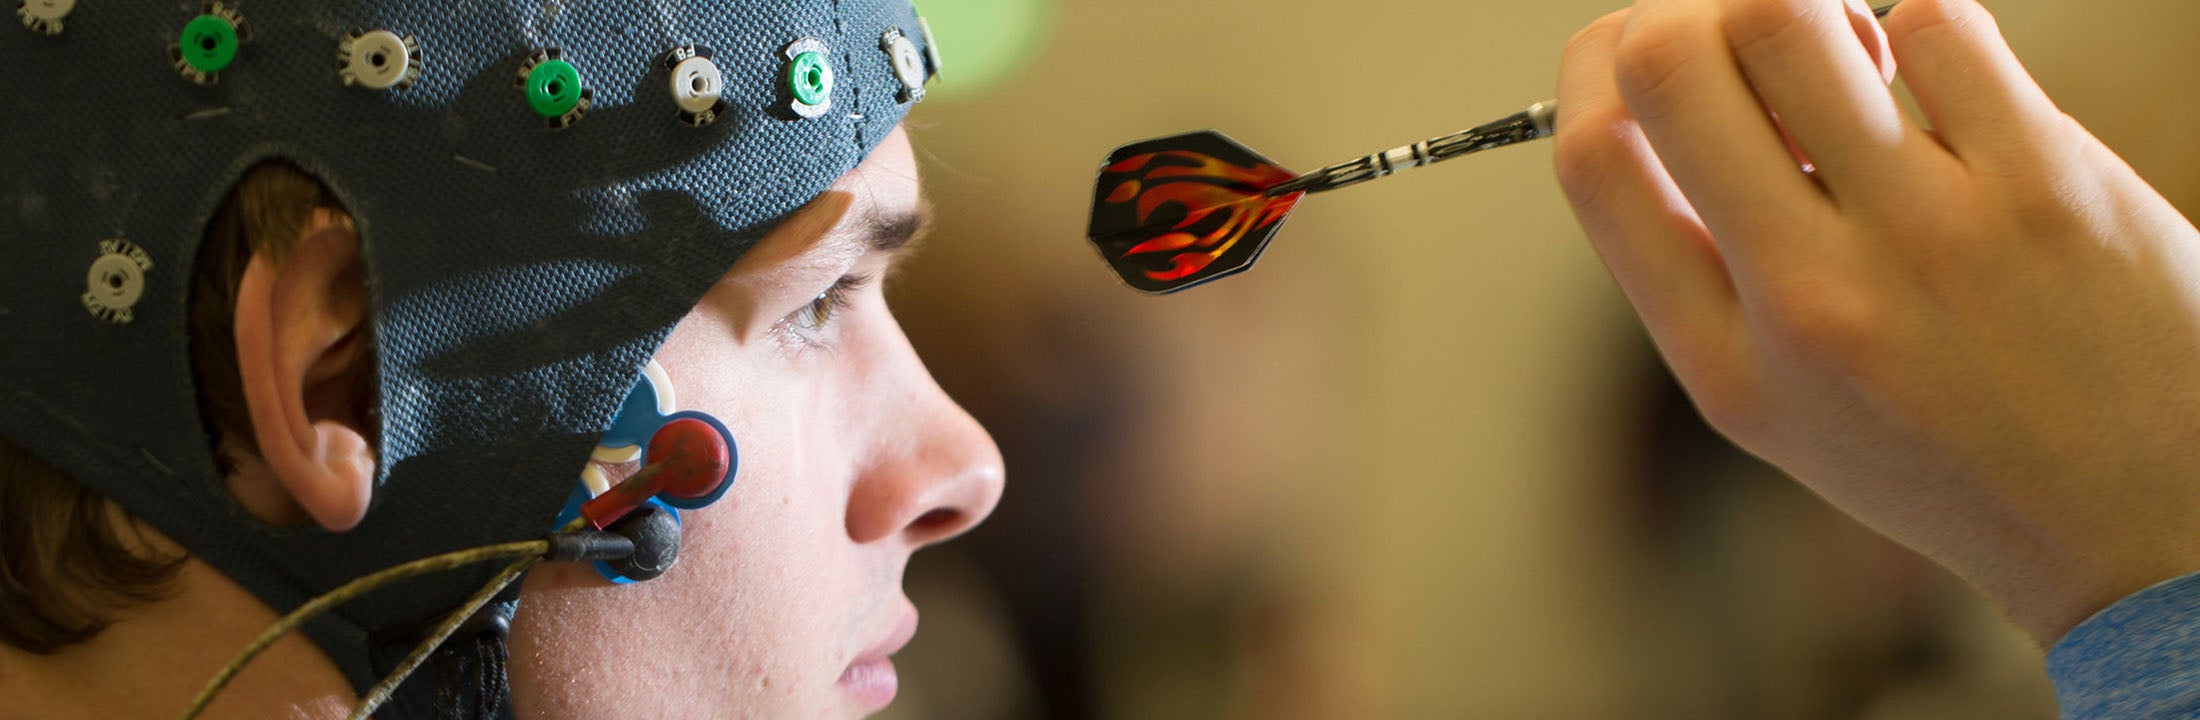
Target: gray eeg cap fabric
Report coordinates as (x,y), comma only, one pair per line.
(520,275)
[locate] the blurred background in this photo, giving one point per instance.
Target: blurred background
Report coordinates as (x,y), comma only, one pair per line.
(1422,462)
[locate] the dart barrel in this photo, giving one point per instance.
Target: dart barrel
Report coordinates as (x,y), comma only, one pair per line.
(1535,123)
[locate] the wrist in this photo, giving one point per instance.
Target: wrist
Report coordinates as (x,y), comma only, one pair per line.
(2049,582)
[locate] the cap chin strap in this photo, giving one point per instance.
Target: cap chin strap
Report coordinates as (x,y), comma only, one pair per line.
(470,680)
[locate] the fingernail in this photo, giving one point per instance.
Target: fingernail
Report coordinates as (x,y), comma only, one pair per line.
(1873,36)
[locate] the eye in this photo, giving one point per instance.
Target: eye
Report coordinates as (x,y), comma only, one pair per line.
(813,322)
(819,312)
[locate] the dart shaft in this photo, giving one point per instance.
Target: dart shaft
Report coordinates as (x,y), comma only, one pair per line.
(1535,123)
(1530,124)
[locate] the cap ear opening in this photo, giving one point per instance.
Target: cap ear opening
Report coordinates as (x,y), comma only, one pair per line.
(279,218)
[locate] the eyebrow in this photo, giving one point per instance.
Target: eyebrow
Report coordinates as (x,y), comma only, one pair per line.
(898,231)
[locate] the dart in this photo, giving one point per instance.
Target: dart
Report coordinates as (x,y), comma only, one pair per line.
(1173,213)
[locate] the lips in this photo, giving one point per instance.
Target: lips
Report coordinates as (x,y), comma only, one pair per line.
(870,678)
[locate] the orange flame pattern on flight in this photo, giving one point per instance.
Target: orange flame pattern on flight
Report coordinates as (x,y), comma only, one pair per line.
(1204,187)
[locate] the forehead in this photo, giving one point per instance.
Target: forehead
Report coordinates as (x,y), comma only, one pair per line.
(878,206)
(886,184)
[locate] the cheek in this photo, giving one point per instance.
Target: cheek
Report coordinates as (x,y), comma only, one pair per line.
(756,619)
(745,624)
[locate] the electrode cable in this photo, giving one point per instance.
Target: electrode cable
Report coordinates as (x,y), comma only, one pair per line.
(529,552)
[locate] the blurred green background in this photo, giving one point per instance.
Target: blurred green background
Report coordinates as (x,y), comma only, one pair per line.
(1420,463)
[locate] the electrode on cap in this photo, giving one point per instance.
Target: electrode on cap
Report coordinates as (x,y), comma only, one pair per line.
(809,78)
(44,16)
(553,88)
(116,280)
(698,88)
(909,64)
(378,60)
(208,44)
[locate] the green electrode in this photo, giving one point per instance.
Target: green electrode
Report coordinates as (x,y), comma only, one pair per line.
(553,88)
(209,43)
(810,79)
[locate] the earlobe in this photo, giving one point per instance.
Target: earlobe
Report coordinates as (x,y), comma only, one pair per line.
(298,328)
(336,494)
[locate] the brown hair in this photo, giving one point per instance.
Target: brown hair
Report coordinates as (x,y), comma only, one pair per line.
(66,565)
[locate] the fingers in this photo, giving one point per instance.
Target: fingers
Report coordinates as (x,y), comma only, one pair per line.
(1678,78)
(1973,90)
(1812,63)
(1657,249)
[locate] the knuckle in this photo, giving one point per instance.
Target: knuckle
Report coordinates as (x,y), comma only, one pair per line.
(2020,152)
(1721,377)
(1914,20)
(1735,416)
(1590,154)
(2050,208)
(2042,181)
(2069,144)
(1725,400)
(1730,399)
(1827,322)
(1753,24)
(1597,34)
(1653,68)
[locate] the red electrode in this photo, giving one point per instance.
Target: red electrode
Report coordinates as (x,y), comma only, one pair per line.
(687,460)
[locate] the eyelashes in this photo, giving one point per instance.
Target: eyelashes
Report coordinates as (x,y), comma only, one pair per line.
(812,324)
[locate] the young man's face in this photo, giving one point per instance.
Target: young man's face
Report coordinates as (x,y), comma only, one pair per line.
(787,596)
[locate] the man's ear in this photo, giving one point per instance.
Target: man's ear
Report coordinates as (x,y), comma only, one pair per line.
(301,331)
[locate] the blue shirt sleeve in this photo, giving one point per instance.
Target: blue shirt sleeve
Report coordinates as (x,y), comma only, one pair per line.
(2139,659)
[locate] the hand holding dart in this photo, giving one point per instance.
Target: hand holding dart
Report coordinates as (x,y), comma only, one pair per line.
(1176,212)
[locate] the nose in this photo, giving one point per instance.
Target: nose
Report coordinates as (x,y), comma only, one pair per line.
(944,479)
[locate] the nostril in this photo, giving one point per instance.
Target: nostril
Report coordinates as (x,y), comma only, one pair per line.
(937,522)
